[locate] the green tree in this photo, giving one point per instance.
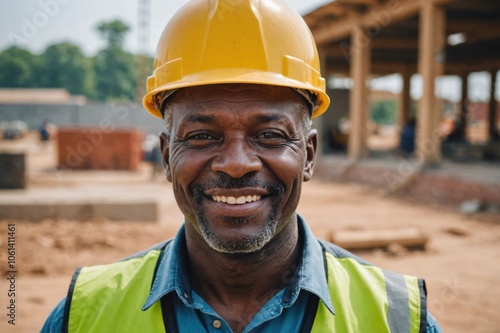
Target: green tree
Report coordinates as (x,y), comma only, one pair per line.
(64,65)
(17,66)
(114,75)
(384,112)
(114,68)
(113,32)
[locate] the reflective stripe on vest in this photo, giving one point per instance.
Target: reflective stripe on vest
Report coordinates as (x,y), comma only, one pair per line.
(109,298)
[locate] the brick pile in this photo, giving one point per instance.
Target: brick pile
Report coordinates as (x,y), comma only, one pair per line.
(94,148)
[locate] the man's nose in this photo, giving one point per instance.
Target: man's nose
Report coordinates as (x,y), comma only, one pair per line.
(236,158)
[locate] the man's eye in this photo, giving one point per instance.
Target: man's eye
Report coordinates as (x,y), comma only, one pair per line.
(271,137)
(202,136)
(268,135)
(201,139)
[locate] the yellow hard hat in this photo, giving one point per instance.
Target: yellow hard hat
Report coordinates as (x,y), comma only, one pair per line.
(236,41)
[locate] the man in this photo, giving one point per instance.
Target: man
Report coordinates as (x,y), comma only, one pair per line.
(237,83)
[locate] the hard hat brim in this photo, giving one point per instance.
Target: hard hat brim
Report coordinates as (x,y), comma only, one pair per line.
(248,77)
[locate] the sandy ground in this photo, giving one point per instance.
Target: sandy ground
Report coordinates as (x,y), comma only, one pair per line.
(460,263)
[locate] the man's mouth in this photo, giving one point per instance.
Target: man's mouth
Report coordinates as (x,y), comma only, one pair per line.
(241,200)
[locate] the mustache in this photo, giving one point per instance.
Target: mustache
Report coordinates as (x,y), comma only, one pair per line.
(227,182)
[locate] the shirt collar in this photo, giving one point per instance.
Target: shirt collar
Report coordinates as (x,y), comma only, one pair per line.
(171,273)
(311,275)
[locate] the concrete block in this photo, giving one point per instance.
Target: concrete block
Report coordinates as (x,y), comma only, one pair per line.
(80,211)
(12,171)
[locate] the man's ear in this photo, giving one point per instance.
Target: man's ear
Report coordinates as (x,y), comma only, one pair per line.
(165,153)
(311,148)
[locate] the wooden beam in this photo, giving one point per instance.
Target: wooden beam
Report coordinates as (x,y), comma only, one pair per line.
(337,50)
(335,10)
(431,58)
(376,68)
(359,101)
(479,36)
(395,43)
(390,67)
(464,108)
(440,43)
(377,43)
(476,6)
(378,17)
(442,3)
(458,67)
(341,50)
(472,26)
(405,99)
(363,2)
(493,109)
(380,238)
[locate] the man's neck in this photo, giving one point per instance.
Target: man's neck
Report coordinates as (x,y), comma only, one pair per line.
(240,285)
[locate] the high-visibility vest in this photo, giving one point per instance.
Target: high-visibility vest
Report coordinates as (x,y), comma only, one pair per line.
(108,298)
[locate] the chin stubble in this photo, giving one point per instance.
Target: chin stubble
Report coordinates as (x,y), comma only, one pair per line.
(247,244)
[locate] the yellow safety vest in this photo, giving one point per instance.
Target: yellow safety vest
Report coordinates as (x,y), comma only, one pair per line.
(367,299)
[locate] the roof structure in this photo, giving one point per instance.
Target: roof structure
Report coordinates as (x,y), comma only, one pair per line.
(472,29)
(366,38)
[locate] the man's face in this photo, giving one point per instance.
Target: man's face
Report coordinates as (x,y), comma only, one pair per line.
(237,156)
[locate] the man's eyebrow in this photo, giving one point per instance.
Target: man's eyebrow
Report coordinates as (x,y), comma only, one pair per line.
(267,118)
(199,118)
(210,119)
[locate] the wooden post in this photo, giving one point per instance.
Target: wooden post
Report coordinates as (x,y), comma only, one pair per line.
(493,110)
(464,108)
(359,101)
(431,58)
(405,99)
(318,123)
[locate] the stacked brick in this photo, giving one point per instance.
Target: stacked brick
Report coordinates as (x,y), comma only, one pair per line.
(94,148)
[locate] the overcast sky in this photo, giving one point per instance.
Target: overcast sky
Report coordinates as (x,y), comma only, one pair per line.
(38,23)
(35,24)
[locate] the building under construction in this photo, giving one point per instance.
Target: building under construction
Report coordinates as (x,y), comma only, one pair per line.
(372,38)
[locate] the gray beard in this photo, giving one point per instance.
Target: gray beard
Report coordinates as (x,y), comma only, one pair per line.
(248,244)
(244,246)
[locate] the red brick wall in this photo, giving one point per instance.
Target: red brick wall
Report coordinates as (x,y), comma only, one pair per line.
(94,148)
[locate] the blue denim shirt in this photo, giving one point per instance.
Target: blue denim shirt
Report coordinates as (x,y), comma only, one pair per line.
(283,313)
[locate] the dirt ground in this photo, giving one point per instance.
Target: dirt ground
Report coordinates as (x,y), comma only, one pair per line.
(460,263)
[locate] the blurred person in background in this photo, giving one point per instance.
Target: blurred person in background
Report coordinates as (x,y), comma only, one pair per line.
(152,154)
(44,134)
(407,139)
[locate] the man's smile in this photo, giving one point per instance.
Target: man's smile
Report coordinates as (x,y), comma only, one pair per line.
(236,200)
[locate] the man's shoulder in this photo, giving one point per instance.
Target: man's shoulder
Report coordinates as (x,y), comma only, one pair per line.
(160,247)
(341,253)
(137,264)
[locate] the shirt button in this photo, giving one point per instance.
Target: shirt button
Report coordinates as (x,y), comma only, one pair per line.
(217,323)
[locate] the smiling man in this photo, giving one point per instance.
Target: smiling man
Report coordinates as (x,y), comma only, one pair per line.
(237,156)
(237,83)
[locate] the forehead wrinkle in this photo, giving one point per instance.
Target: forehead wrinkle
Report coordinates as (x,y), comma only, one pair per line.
(216,102)
(211,111)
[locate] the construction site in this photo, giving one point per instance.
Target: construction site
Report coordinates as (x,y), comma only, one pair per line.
(91,193)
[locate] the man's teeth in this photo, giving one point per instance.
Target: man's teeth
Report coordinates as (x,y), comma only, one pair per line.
(236,200)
